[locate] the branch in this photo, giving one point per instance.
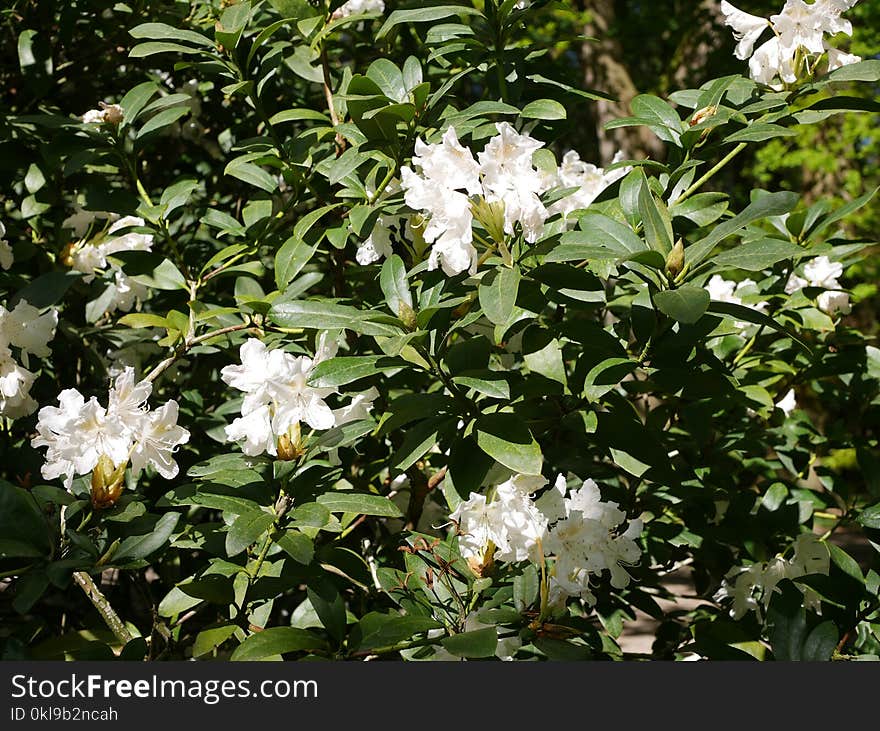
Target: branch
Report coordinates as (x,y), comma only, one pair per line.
(102,604)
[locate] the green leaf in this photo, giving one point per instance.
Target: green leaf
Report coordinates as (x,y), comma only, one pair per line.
(870,517)
(345,369)
(497,293)
(209,639)
(388,78)
(329,607)
(298,115)
(138,547)
(297,545)
(142,50)
(360,503)
(662,119)
(748,314)
(479,643)
(423,15)
(380,630)
(45,290)
(21,523)
(488,383)
(757,255)
(606,375)
(247,529)
(655,220)
(392,279)
(686,304)
(417,440)
(768,204)
(328,316)
(820,643)
(165,32)
(163,119)
(251,174)
(276,641)
(758,132)
(232,22)
(506,439)
(862,71)
(543,109)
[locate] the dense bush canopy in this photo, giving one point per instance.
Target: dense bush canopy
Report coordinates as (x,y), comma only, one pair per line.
(325,332)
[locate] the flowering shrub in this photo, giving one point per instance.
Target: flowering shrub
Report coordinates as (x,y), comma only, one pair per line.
(432,386)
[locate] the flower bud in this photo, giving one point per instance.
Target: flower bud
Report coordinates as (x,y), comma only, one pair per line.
(675,259)
(289,445)
(107,483)
(113,113)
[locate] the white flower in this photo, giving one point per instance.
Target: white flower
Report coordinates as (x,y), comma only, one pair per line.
(799,27)
(448,164)
(588,541)
(378,244)
(93,116)
(833,303)
(26,329)
(509,176)
(357,7)
(15,383)
(90,257)
(254,431)
(278,397)
(724,290)
(787,403)
(746,28)
(157,439)
(822,272)
(359,409)
(78,433)
(125,292)
(753,587)
(589,180)
(6,256)
(110,113)
(445,169)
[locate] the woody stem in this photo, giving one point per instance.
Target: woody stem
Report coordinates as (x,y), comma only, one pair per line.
(102,604)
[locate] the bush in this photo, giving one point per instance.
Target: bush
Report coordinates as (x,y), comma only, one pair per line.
(325,344)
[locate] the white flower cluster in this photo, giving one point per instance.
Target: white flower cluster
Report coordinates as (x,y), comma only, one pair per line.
(445,175)
(357,7)
(29,331)
(278,397)
(78,433)
(90,258)
(6,256)
(752,587)
(798,30)
(575,528)
(108,113)
(822,272)
(724,290)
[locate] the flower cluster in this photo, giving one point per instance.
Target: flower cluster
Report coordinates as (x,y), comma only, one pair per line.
(574,527)
(822,272)
(90,258)
(724,290)
(29,331)
(358,7)
(80,435)
(278,398)
(445,177)
(6,256)
(752,587)
(108,113)
(798,33)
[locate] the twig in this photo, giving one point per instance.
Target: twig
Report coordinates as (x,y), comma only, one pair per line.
(102,604)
